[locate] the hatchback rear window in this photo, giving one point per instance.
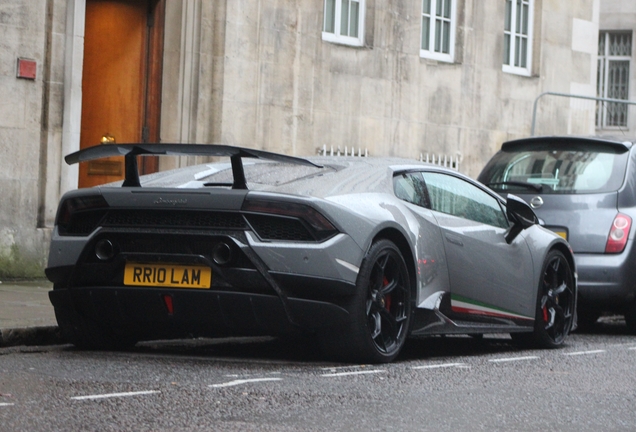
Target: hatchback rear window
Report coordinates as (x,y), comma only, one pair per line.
(556,169)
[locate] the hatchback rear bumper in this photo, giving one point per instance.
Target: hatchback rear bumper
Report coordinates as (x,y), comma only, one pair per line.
(606,281)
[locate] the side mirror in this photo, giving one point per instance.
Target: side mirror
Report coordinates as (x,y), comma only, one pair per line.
(521,215)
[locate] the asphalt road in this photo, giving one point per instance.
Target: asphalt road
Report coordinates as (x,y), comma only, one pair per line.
(452,383)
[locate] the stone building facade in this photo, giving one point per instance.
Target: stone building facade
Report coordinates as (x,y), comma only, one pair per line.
(392,77)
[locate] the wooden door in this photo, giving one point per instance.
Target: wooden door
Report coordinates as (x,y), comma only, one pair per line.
(120,103)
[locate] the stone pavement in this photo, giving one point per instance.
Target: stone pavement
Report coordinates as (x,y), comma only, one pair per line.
(26,314)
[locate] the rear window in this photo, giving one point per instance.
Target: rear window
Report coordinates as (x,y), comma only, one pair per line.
(557,170)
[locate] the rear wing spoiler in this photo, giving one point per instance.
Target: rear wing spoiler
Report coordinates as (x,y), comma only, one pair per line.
(131,151)
(568,142)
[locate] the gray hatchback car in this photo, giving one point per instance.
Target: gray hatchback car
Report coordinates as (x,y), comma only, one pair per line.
(584,189)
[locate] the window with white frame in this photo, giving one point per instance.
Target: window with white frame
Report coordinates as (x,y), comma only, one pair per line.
(344,22)
(438,30)
(517,49)
(614,58)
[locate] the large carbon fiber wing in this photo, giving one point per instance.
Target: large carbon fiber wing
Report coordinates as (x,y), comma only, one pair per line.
(131,151)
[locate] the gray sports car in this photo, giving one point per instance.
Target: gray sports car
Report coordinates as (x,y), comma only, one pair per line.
(357,252)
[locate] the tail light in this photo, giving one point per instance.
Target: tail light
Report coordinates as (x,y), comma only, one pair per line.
(618,234)
(318,225)
(77,215)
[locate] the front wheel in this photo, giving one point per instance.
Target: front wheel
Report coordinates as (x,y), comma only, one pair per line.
(556,303)
(380,311)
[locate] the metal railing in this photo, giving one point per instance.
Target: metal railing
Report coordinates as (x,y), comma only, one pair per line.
(346,152)
(444,160)
(448,161)
(596,99)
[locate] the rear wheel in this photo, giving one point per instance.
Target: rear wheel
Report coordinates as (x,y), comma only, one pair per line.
(630,319)
(380,311)
(555,304)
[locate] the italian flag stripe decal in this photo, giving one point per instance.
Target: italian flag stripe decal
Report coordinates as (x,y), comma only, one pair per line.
(465,305)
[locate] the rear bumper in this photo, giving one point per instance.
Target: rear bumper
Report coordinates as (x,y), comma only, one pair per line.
(144,314)
(606,282)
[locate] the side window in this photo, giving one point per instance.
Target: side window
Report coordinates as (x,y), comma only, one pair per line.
(343,22)
(410,188)
(457,197)
(438,30)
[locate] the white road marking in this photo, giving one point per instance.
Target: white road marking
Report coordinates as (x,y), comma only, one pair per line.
(632,348)
(511,359)
(6,404)
(243,381)
(335,368)
(584,352)
(113,395)
(436,366)
(337,374)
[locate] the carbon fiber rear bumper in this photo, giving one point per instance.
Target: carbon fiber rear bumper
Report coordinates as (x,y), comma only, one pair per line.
(144,313)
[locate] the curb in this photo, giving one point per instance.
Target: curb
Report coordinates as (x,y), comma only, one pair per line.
(30,336)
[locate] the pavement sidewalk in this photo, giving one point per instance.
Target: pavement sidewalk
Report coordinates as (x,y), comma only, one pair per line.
(26,314)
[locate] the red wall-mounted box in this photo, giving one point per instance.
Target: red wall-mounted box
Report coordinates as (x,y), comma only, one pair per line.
(27,68)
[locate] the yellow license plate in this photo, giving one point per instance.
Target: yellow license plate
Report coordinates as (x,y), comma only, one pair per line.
(167,275)
(562,234)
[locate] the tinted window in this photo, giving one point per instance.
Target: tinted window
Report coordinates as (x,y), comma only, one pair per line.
(410,187)
(558,170)
(452,195)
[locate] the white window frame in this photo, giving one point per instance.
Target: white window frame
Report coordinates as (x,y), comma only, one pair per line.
(435,21)
(515,35)
(337,36)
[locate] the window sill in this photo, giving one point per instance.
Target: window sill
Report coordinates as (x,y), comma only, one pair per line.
(445,58)
(516,71)
(342,40)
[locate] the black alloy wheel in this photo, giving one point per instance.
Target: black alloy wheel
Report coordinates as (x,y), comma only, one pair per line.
(387,302)
(630,318)
(380,310)
(555,303)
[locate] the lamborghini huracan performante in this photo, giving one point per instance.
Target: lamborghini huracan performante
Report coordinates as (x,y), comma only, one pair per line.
(358,253)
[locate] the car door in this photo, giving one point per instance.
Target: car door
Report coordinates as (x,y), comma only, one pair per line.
(431,263)
(488,277)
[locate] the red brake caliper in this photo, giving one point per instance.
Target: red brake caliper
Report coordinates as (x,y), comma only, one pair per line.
(387,299)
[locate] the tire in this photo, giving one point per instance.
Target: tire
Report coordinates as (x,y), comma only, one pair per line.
(586,319)
(556,302)
(630,319)
(87,334)
(380,311)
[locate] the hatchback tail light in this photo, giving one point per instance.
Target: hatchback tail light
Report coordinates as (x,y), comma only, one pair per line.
(618,234)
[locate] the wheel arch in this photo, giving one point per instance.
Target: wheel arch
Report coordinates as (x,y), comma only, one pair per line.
(565,250)
(404,246)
